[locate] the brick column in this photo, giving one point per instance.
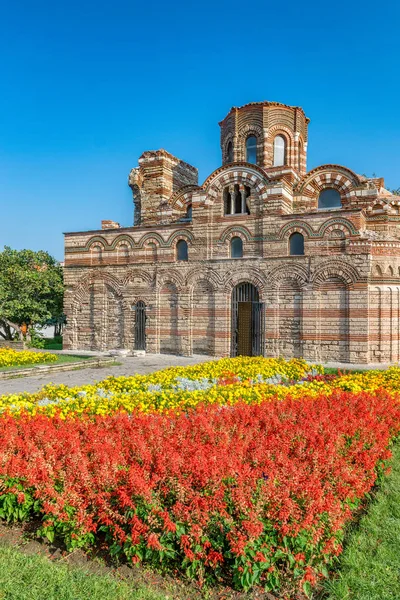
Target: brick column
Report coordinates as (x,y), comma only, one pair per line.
(358,324)
(70,329)
(310,325)
(184,333)
(222,320)
(152,339)
(271,324)
(232,193)
(243,195)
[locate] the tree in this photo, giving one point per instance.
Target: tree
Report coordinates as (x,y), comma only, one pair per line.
(31,291)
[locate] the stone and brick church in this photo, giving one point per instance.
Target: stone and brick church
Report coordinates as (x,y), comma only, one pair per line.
(263,257)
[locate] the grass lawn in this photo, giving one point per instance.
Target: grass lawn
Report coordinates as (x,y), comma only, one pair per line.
(334,371)
(35,577)
(370,564)
(62,358)
(53,344)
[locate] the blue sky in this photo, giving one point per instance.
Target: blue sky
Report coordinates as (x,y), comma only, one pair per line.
(86,87)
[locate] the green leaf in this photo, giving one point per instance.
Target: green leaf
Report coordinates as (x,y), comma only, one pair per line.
(307,588)
(50,534)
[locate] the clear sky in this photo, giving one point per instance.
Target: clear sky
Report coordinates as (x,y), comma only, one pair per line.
(86,87)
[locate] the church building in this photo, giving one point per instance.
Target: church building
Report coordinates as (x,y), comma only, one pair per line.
(262,258)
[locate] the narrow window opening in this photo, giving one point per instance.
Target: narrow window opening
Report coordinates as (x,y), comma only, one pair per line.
(296,244)
(279,151)
(182,250)
(236,247)
(251,149)
(227,201)
(238,200)
(229,152)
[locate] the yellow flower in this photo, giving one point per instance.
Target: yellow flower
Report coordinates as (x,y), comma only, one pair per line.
(245,380)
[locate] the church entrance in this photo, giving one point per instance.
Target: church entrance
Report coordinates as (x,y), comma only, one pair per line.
(140,325)
(248,321)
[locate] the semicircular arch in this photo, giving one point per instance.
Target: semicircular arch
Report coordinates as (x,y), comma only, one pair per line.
(239,174)
(183,234)
(151,237)
(170,277)
(293,226)
(97,240)
(235,230)
(182,197)
(196,275)
(139,273)
(335,223)
(328,176)
(123,238)
(335,270)
(244,275)
(278,274)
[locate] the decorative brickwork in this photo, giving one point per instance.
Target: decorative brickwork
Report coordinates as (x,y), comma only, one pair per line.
(337,301)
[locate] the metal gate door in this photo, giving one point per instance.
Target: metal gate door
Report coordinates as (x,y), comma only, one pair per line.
(140,326)
(248,321)
(258,328)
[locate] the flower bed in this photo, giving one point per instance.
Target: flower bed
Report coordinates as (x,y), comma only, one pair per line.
(242,470)
(226,381)
(223,382)
(247,495)
(13,358)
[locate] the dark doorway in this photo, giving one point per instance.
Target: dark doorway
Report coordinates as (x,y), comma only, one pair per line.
(248,321)
(140,326)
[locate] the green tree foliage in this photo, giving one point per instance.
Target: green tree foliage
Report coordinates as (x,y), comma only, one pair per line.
(31,291)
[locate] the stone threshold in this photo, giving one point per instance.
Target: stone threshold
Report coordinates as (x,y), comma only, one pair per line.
(45,369)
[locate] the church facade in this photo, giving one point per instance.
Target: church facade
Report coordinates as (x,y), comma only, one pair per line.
(263,258)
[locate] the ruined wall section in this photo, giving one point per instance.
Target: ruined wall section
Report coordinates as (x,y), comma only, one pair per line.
(157,178)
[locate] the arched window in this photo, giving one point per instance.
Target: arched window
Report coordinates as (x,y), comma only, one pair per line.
(329,198)
(251,149)
(189,212)
(229,152)
(299,157)
(182,250)
(236,247)
(236,200)
(296,244)
(279,151)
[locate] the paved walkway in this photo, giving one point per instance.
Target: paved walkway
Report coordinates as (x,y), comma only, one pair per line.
(129,366)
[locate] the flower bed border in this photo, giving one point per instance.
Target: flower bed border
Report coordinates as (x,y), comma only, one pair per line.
(43,369)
